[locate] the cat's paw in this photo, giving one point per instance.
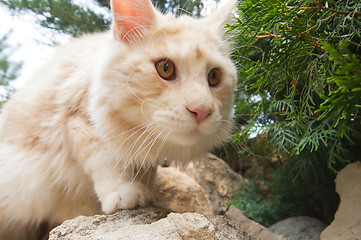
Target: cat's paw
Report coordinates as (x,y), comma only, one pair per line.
(128,196)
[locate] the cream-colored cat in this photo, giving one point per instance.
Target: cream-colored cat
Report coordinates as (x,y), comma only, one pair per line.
(85,135)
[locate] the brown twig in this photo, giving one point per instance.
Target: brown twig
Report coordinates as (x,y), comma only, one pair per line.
(269,35)
(317,25)
(320,7)
(315,45)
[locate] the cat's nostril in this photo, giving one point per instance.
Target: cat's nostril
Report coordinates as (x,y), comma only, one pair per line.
(199,114)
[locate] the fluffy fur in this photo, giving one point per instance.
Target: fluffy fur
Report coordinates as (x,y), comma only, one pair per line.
(87,132)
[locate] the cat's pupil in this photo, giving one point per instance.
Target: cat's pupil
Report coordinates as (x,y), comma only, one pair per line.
(213,75)
(166,67)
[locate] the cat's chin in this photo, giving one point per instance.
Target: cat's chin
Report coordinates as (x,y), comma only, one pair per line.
(186,138)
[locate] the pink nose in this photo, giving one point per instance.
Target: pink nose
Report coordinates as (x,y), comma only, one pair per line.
(200,115)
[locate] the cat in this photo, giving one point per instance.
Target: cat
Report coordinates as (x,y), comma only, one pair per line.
(86,134)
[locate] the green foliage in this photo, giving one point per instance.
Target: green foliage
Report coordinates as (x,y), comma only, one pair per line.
(299,85)
(286,52)
(342,103)
(283,196)
(9,69)
(255,207)
(193,7)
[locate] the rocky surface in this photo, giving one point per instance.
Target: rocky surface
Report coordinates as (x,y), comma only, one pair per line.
(217,179)
(347,223)
(251,227)
(105,226)
(123,226)
(202,187)
(185,201)
(179,193)
(154,223)
(299,228)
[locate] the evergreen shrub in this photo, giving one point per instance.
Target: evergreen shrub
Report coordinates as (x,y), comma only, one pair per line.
(299,87)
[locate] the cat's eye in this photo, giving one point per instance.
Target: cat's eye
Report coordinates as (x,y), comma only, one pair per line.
(165,69)
(214,77)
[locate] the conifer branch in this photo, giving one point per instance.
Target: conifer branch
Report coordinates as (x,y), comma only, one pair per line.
(317,25)
(320,7)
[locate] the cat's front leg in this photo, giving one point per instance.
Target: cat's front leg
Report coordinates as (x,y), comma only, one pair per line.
(129,195)
(117,186)
(122,192)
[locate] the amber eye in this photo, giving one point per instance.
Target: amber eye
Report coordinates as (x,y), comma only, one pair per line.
(165,69)
(214,77)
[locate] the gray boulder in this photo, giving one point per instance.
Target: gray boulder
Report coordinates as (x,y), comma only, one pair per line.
(299,228)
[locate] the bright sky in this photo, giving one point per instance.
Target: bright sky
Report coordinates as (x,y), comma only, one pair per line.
(33,45)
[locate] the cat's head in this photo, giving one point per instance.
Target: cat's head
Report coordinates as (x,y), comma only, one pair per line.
(171,75)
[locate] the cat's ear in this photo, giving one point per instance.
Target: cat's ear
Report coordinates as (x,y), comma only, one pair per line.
(131,18)
(221,16)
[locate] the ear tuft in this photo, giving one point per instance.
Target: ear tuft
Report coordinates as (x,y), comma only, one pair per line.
(220,17)
(131,18)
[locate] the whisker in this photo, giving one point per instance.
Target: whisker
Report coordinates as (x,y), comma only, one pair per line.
(137,96)
(122,133)
(140,150)
(157,154)
(146,155)
(163,142)
(240,144)
(130,136)
(150,99)
(131,147)
(224,147)
(134,29)
(147,101)
(181,9)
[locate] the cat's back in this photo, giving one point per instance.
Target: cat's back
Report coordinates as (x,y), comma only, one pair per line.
(59,85)
(36,116)
(79,54)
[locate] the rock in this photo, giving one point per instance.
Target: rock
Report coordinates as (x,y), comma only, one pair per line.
(347,222)
(217,179)
(251,227)
(179,193)
(90,227)
(203,188)
(147,224)
(299,228)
